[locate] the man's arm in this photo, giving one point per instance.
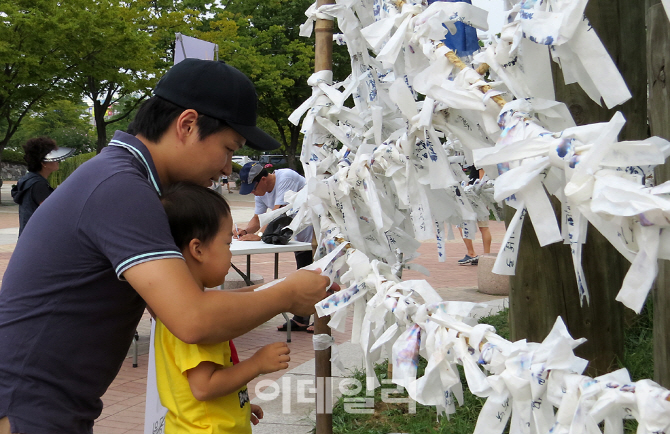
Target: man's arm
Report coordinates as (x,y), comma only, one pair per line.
(252,227)
(249,234)
(245,288)
(195,316)
(258,220)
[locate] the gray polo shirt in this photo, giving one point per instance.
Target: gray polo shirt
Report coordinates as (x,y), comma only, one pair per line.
(67,317)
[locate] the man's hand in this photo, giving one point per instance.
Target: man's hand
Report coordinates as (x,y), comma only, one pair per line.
(271,358)
(252,227)
(244,235)
(308,288)
(250,237)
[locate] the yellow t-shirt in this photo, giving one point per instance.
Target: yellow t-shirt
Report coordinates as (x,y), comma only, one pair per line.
(227,414)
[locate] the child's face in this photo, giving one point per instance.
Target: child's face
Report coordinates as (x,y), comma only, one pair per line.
(217,256)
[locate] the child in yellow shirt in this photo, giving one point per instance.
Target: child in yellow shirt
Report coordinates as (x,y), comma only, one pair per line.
(204,386)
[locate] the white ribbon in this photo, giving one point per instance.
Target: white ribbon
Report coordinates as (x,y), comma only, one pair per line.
(323,342)
(324,12)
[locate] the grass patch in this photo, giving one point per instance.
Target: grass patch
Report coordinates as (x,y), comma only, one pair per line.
(396,418)
(639,344)
(638,355)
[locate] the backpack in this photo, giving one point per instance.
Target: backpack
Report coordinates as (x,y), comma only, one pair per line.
(277,232)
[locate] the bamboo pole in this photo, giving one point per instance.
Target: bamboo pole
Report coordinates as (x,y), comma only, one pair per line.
(323,60)
(323,41)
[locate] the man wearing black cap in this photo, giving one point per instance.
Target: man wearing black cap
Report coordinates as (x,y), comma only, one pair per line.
(67,321)
(269,189)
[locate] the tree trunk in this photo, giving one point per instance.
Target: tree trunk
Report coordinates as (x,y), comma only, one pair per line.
(544,286)
(292,148)
(658,58)
(650,3)
(100,126)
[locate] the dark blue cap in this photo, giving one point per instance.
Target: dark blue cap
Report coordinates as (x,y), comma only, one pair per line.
(247,174)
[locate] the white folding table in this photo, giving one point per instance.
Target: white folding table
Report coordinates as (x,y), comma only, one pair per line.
(239,248)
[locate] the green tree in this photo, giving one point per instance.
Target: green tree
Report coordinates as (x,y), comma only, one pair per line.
(62,120)
(37,38)
(119,61)
(110,52)
(262,40)
(168,17)
(112,78)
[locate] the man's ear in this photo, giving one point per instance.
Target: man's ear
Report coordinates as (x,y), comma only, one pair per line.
(186,123)
(195,249)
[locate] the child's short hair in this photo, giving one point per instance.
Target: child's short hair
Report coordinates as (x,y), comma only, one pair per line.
(193,211)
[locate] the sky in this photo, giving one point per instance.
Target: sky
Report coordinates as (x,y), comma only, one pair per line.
(495,8)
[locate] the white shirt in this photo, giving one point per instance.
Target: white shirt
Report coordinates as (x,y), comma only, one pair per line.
(286,180)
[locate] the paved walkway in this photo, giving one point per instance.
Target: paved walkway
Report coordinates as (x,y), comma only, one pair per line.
(123,411)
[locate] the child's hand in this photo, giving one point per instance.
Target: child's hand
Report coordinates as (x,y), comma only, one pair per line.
(256,414)
(272,357)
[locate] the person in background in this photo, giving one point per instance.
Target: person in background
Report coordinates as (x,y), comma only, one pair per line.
(204,386)
(33,188)
(471,258)
(224,181)
(269,189)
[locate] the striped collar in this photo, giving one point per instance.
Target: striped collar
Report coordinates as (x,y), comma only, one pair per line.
(139,151)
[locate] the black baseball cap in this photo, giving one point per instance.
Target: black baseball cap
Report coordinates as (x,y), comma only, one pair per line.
(218,90)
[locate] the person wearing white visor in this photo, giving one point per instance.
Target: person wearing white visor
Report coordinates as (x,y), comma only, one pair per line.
(42,155)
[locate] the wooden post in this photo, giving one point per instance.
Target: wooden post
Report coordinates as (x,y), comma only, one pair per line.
(323,60)
(658,60)
(650,3)
(544,286)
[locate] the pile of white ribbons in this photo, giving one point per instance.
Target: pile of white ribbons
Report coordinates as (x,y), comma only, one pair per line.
(535,387)
(379,181)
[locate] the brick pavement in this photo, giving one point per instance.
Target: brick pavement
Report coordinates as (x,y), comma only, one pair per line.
(124,402)
(9,218)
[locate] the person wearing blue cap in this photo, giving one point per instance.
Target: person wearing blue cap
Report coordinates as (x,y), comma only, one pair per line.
(68,319)
(269,189)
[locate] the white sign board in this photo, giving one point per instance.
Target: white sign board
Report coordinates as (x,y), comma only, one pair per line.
(188,47)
